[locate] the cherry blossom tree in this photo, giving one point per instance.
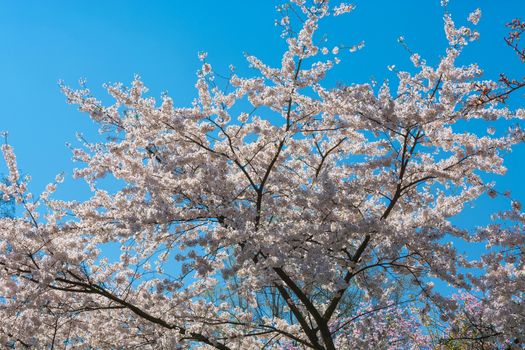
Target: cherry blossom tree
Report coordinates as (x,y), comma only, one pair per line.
(276,213)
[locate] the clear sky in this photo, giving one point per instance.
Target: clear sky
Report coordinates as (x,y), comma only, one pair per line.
(42,42)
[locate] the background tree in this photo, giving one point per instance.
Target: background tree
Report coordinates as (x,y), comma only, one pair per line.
(275,213)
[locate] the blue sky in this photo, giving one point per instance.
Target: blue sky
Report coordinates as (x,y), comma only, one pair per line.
(108,41)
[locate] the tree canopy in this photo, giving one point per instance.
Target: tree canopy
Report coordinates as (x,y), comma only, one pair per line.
(277,213)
